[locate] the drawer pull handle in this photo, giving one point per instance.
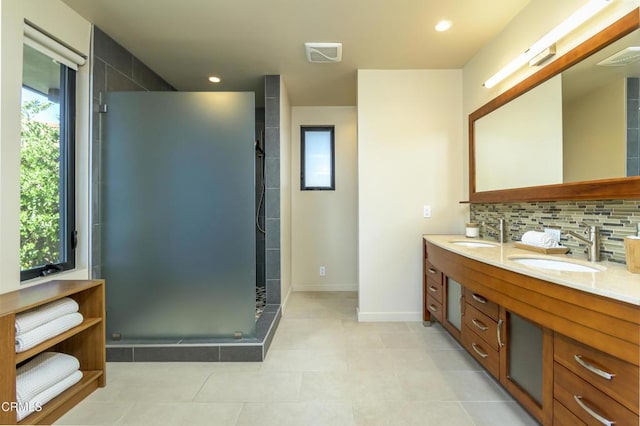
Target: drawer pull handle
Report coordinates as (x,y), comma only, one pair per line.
(432,289)
(479,325)
(432,308)
(478,298)
(591,412)
(499,332)
(478,351)
(592,368)
(432,271)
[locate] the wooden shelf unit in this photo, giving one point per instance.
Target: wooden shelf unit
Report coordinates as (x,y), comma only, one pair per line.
(86,342)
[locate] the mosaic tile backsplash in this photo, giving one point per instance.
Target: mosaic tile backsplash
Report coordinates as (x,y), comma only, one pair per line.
(617,219)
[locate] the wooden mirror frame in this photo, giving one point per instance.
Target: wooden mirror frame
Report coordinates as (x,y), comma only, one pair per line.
(603,189)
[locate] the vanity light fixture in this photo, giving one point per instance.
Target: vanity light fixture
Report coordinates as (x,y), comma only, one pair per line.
(214,79)
(443,25)
(568,25)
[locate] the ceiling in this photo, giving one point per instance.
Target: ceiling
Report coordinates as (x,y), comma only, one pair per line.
(240,41)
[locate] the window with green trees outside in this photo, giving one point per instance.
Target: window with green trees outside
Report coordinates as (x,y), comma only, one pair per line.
(47,166)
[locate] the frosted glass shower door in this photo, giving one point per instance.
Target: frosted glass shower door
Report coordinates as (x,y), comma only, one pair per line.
(177,205)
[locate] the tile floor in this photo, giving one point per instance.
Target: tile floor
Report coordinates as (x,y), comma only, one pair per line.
(323,368)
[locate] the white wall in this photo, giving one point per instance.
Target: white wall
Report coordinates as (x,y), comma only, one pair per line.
(325,223)
(409,154)
(285,194)
(535,20)
(59,20)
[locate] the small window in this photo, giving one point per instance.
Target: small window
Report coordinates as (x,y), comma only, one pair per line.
(47,166)
(317,167)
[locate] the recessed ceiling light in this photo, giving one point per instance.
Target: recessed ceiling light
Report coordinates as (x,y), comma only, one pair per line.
(443,25)
(214,79)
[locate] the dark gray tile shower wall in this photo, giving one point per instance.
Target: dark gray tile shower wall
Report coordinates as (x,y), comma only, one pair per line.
(115,69)
(260,201)
(633,126)
(272,178)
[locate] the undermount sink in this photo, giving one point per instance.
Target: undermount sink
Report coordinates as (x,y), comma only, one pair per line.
(555,264)
(468,243)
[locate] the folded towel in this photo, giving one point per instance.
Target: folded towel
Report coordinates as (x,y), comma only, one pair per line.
(46,331)
(42,372)
(540,239)
(48,394)
(35,317)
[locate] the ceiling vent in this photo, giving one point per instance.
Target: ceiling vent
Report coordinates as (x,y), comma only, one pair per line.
(622,58)
(323,53)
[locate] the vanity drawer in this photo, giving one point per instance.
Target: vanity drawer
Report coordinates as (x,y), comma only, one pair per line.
(485,327)
(434,290)
(586,402)
(435,309)
(433,273)
(615,377)
(563,417)
(488,357)
(481,303)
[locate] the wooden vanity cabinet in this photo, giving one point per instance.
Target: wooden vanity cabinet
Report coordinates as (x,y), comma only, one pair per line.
(525,348)
(480,334)
(452,306)
(443,299)
(431,290)
(519,328)
(592,384)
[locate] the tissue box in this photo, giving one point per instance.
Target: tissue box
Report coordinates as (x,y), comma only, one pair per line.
(632,253)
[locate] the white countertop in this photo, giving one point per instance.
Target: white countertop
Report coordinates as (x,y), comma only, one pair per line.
(614,282)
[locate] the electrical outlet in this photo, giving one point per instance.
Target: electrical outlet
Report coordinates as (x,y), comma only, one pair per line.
(426,211)
(322,271)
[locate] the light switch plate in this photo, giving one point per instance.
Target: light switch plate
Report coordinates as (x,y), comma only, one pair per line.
(426,211)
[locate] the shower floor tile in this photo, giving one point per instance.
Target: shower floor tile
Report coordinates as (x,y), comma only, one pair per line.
(261,300)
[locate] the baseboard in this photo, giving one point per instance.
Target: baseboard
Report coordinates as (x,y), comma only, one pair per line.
(389,316)
(286,299)
(326,287)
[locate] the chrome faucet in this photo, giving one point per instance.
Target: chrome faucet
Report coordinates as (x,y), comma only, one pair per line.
(501,229)
(593,242)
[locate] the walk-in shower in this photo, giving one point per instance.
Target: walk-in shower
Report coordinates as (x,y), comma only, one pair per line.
(178,209)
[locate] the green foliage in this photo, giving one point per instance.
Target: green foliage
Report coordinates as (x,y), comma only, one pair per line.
(39,188)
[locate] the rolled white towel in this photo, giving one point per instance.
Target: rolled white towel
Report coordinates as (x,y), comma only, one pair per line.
(48,394)
(540,239)
(46,331)
(35,317)
(42,372)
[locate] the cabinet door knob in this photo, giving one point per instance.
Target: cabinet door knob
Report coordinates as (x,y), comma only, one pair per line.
(432,271)
(478,351)
(593,368)
(432,289)
(433,308)
(478,298)
(479,325)
(499,333)
(591,411)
